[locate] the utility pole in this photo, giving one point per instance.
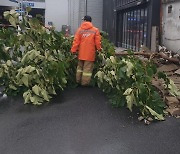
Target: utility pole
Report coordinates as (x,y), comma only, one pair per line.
(20,9)
(85,7)
(20,2)
(69,11)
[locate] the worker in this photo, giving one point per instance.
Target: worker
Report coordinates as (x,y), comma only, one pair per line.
(86,42)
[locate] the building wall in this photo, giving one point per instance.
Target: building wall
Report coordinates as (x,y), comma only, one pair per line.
(74,14)
(67,12)
(38,7)
(79,8)
(171,26)
(82,10)
(7,3)
(57,13)
(95,10)
(109,19)
(12,4)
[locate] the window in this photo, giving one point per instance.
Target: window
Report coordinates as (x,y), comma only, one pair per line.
(170,9)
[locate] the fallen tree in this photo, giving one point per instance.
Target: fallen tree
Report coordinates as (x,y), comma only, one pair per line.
(41,64)
(151,55)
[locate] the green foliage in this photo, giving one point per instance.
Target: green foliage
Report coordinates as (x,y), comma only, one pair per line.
(107,51)
(12,17)
(169,84)
(8,43)
(36,62)
(39,63)
(127,81)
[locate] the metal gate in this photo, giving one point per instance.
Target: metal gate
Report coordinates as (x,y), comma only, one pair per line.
(129,23)
(134,28)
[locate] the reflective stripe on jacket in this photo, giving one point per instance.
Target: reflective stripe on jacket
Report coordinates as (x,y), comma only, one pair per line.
(87,40)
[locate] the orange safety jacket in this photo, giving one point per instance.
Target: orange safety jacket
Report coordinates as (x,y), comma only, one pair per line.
(87,40)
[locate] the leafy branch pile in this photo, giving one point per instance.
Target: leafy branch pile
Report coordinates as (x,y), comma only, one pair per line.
(34,60)
(128,82)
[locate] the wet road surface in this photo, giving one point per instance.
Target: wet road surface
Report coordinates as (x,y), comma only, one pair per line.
(81,121)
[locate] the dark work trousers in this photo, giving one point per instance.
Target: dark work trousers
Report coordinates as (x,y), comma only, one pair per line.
(84,72)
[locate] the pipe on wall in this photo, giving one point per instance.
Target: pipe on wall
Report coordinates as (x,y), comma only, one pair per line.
(85,7)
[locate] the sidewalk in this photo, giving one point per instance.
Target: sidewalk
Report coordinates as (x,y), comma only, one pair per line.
(120,49)
(81,121)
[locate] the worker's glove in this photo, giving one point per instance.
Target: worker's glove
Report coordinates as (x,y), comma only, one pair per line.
(100,50)
(74,54)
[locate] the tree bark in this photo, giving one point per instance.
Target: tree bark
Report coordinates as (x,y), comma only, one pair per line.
(151,55)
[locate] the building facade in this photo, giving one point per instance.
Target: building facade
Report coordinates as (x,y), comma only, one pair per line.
(38,7)
(60,12)
(79,8)
(132,23)
(171,24)
(56,13)
(71,12)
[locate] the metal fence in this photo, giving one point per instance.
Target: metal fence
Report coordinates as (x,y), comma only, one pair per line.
(134,28)
(129,22)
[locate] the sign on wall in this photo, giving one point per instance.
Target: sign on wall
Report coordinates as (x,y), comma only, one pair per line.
(28,4)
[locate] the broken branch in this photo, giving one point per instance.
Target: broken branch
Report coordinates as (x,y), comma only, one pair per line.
(150,55)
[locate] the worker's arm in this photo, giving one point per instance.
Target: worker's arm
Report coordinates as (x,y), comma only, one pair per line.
(98,40)
(76,42)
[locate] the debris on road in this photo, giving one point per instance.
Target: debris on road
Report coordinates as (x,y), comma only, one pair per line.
(169,63)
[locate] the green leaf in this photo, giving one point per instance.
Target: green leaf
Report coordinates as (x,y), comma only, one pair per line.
(25,80)
(28,9)
(113,60)
(44,93)
(32,54)
(150,72)
(130,67)
(12,21)
(26,96)
(154,68)
(6,49)
(64,80)
(36,100)
(143,92)
(130,101)
(29,69)
(1,72)
(25,58)
(173,89)
(8,63)
(33,100)
(6,14)
(162,75)
(36,89)
(155,114)
(12,87)
(128,91)
(51,90)
(12,12)
(122,71)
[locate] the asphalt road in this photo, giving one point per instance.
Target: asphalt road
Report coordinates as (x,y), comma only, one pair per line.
(81,121)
